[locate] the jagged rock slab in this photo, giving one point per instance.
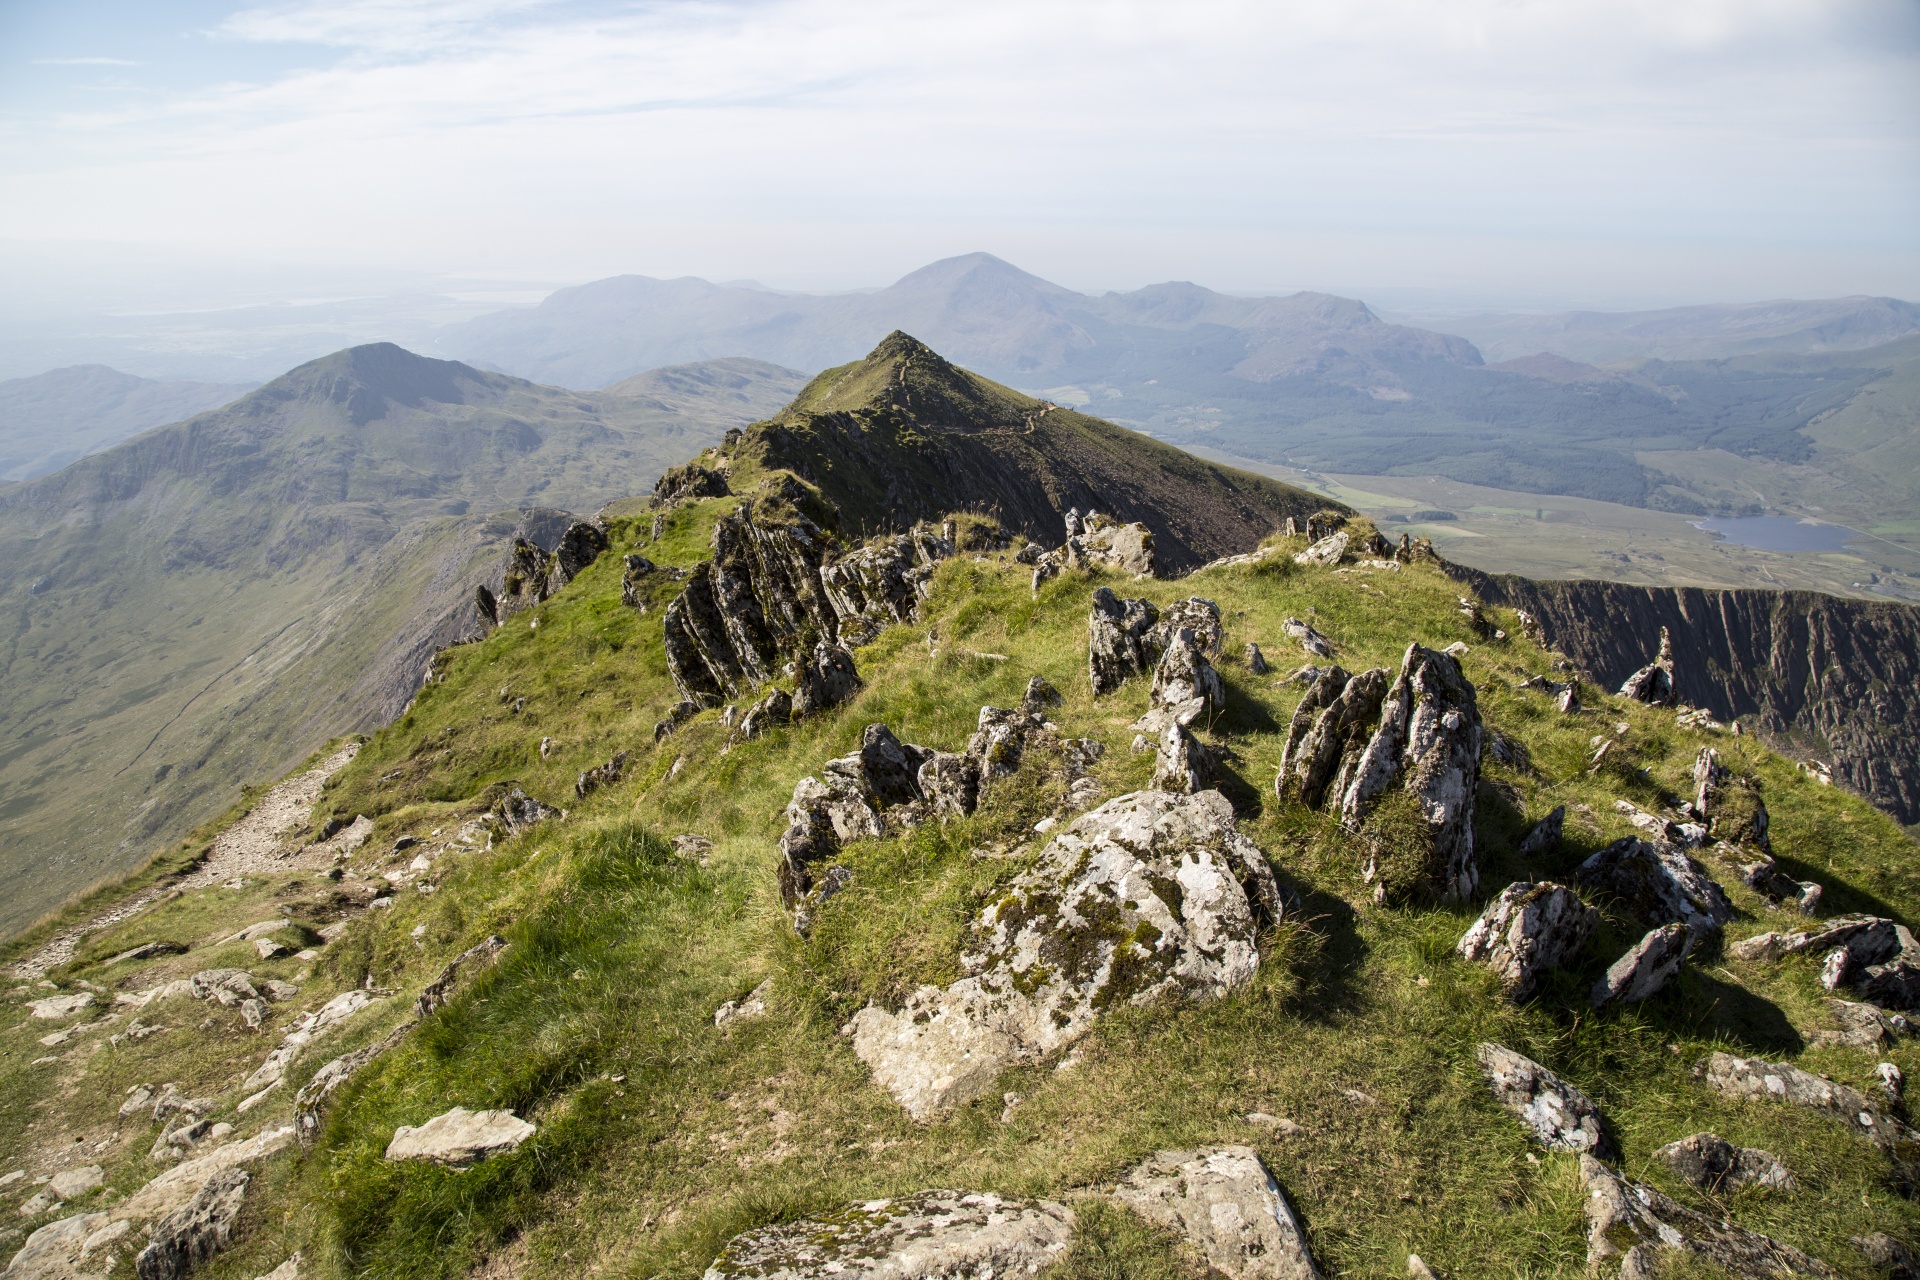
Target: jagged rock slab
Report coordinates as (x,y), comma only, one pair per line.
(1428,744)
(1181,765)
(56,1251)
(1657,884)
(1545,834)
(1117,644)
(180,1184)
(1633,1223)
(1646,969)
(1308,637)
(1782,1082)
(1184,675)
(1710,1162)
(196,1231)
(1653,684)
(934,1235)
(1327,551)
(1328,734)
(1226,1203)
(459,1138)
(825,679)
(1150,895)
(1557,1115)
(1198,615)
(1528,931)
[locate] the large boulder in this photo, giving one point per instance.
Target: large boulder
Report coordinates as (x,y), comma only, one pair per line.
(1557,1115)
(688,482)
(1328,734)
(1228,1206)
(1105,543)
(1657,883)
(1528,931)
(1646,969)
(460,1138)
(1427,746)
(196,1231)
(1327,551)
(1198,615)
(935,1235)
(1117,645)
(1150,896)
(1634,1223)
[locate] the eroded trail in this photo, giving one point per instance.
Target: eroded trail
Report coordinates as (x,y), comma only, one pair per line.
(250,845)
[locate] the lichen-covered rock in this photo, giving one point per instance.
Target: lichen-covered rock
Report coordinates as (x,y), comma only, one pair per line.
(1117,646)
(1527,932)
(196,1231)
(226,987)
(951,784)
(1545,835)
(1634,1223)
(1731,806)
(1198,615)
(1307,637)
(999,743)
(1557,1115)
(875,586)
(1327,551)
(1657,884)
(1712,1163)
(1184,675)
(1328,734)
(1181,765)
(1653,683)
(1782,1082)
(1228,1206)
(601,775)
(934,1235)
(1869,940)
(826,679)
(579,546)
(1427,745)
(515,811)
(634,572)
(1105,543)
(771,712)
(459,1138)
(1256,661)
(1646,969)
(1151,895)
(822,815)
(889,768)
(686,483)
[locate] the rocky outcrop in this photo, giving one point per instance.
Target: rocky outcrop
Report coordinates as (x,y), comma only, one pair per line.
(634,572)
(1184,676)
(1307,637)
(1712,1163)
(1105,543)
(1634,1224)
(826,678)
(196,1231)
(1181,765)
(601,775)
(1657,883)
(875,586)
(1117,644)
(1328,733)
(460,1138)
(457,972)
(1327,551)
(1227,1205)
(1845,673)
(533,575)
(1757,1078)
(1197,614)
(1150,896)
(1557,1115)
(1731,807)
(1646,969)
(1427,746)
(688,483)
(1653,683)
(1527,932)
(935,1235)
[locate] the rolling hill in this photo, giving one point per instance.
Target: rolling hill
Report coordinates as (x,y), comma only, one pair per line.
(48,420)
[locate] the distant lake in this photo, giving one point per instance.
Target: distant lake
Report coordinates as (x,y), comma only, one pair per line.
(1778,533)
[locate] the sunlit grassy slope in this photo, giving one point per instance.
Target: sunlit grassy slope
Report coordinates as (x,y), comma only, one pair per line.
(660,1136)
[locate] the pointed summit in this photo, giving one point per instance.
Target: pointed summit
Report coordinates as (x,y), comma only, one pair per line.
(905,435)
(371,379)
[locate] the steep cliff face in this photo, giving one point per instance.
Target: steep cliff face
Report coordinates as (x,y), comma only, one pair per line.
(1843,673)
(904,436)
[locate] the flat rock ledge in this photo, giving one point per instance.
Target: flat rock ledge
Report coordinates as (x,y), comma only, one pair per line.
(459,1137)
(1632,1224)
(1558,1116)
(1228,1206)
(1151,895)
(958,1234)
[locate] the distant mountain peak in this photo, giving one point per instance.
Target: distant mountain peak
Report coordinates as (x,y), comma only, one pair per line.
(370,379)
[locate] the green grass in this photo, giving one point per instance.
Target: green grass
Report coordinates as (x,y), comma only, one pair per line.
(621,952)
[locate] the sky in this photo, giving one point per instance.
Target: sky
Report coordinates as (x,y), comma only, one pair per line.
(1423,153)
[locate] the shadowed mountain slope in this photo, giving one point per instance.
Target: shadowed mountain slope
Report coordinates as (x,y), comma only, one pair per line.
(903,435)
(48,420)
(210,600)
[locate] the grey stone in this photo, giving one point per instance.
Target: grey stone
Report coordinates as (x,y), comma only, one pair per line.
(455,973)
(890,768)
(1657,883)
(1151,895)
(1732,806)
(1428,744)
(224,986)
(1528,931)
(460,1138)
(1757,1078)
(1712,1163)
(1646,969)
(1228,1206)
(1256,661)
(1117,647)
(1635,1223)
(1039,696)
(195,1232)
(136,1101)
(1307,637)
(1327,551)
(1889,1255)
(1653,683)
(951,783)
(149,951)
(1183,674)
(826,679)
(1197,614)
(55,1250)
(635,570)
(1328,733)
(601,775)
(514,811)
(71,1184)
(747,1007)
(1557,1115)
(1545,835)
(1104,543)
(1859,1026)
(1181,765)
(934,1235)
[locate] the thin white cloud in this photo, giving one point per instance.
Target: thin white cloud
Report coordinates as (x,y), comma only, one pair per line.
(475,126)
(86,62)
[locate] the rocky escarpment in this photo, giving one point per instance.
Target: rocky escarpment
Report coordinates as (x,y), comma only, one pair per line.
(1840,676)
(904,436)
